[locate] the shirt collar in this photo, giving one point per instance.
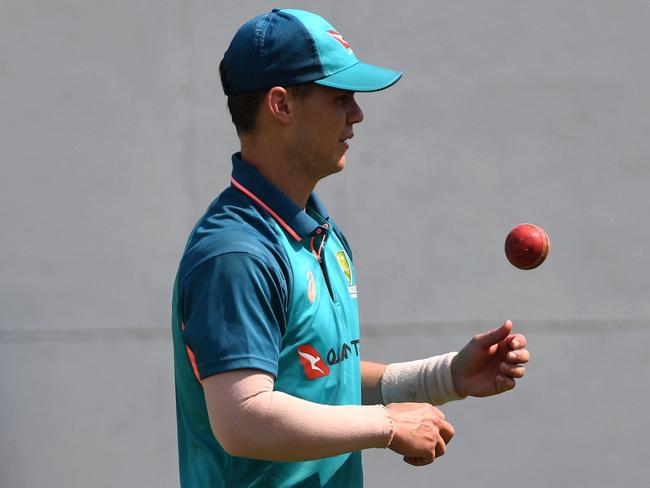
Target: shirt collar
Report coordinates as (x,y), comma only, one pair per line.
(292,218)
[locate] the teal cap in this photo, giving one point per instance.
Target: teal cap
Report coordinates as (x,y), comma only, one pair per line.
(287,47)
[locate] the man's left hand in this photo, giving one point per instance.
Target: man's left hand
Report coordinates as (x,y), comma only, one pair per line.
(490,362)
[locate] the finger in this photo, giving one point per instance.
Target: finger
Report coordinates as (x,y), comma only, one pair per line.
(494,336)
(517,341)
(504,383)
(438,412)
(446,431)
(441,448)
(512,370)
(519,356)
(417,461)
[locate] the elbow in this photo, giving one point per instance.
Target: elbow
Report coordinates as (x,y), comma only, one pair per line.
(231,440)
(241,447)
(235,440)
(232,446)
(238,412)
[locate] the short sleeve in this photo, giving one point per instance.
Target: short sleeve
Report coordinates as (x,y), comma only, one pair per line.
(233,309)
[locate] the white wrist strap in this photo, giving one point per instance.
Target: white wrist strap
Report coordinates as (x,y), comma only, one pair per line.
(426,380)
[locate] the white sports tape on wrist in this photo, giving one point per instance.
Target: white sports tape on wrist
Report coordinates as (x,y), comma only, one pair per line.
(425,380)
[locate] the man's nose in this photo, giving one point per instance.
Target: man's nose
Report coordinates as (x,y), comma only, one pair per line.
(355,115)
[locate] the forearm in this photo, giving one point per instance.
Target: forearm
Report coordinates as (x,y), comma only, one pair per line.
(371,374)
(249,419)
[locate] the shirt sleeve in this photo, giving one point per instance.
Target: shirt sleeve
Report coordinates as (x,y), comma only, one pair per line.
(234,314)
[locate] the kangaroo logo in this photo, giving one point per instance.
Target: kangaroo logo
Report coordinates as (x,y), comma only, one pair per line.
(312,362)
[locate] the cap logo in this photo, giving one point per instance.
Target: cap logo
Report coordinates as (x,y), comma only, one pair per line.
(339,38)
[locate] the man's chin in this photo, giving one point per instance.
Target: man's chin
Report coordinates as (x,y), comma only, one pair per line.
(341,164)
(333,168)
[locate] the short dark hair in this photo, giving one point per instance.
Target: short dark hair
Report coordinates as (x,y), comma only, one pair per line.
(243,108)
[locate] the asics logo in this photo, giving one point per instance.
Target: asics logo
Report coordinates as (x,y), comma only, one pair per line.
(311,287)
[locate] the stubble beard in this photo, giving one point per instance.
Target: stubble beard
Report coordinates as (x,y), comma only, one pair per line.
(314,166)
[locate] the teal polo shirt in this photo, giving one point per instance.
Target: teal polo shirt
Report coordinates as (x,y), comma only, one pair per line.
(266,285)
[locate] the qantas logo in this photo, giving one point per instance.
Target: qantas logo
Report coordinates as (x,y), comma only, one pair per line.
(335,356)
(311,361)
(339,38)
(316,367)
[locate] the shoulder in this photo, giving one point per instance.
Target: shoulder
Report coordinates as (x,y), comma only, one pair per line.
(232,225)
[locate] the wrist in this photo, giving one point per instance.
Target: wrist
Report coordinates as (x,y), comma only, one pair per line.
(427,380)
(456,380)
(389,428)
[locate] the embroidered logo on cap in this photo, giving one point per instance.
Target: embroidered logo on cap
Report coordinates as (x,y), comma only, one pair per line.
(312,362)
(339,38)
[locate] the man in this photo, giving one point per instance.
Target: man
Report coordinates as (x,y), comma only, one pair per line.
(270,388)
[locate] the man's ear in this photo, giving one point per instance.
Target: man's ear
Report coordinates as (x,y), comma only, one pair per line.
(278,104)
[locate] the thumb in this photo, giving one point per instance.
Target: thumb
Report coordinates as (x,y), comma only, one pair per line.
(494,336)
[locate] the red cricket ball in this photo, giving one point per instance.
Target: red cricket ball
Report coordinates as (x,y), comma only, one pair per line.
(527,246)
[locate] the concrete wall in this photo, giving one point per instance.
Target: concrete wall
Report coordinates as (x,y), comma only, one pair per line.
(114,138)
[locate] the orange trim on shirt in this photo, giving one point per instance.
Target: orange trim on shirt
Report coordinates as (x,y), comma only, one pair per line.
(268,209)
(195,368)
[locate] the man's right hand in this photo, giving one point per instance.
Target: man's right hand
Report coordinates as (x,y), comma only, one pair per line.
(420,433)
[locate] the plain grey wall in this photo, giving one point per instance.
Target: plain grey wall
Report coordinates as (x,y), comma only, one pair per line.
(114,138)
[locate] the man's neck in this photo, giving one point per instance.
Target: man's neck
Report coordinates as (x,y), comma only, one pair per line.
(279,171)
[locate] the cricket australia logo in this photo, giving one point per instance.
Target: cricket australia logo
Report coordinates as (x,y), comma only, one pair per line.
(344,263)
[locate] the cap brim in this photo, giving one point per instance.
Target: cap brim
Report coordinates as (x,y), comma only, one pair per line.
(362,77)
